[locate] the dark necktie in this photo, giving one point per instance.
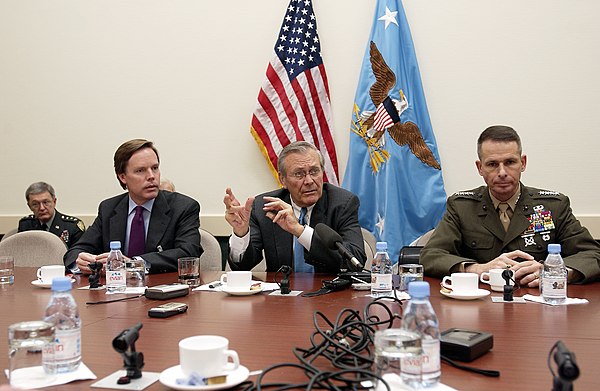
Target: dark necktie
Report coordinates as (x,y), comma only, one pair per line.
(299,265)
(45,227)
(137,236)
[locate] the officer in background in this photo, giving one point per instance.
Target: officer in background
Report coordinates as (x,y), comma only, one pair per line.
(41,199)
(507,224)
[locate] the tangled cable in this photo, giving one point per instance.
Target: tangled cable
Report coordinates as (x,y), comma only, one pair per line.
(343,348)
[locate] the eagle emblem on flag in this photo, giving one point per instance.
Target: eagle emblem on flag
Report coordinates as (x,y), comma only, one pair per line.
(372,125)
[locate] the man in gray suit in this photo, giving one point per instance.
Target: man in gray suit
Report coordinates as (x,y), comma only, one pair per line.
(154,225)
(281,222)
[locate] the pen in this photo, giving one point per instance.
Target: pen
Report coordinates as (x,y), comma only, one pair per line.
(215,285)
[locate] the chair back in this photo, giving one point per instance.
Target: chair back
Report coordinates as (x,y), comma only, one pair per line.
(10,232)
(369,244)
(409,254)
(34,248)
(211,258)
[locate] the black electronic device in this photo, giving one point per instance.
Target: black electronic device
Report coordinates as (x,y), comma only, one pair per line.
(465,345)
(167,309)
(133,361)
(167,291)
(356,276)
(334,241)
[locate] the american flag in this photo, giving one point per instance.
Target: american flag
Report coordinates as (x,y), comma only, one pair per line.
(293,102)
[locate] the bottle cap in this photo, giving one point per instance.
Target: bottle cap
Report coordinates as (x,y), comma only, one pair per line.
(418,289)
(381,246)
(554,248)
(61,284)
(115,245)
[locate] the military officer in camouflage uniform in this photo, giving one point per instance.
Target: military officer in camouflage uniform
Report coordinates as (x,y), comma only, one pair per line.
(506,224)
(41,199)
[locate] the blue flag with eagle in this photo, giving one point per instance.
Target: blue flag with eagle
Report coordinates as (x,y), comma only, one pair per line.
(393,164)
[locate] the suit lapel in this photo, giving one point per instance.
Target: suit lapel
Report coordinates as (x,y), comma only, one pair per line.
(319,212)
(55,227)
(159,220)
(520,220)
(118,221)
(491,220)
(284,241)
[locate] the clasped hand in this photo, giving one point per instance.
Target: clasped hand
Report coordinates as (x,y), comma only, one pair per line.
(526,272)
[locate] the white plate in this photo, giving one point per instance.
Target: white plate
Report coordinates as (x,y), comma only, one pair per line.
(169,377)
(40,284)
(471,295)
(241,292)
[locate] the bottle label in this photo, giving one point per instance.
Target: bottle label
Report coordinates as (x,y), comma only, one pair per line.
(67,344)
(554,287)
(431,355)
(115,277)
(381,282)
(412,365)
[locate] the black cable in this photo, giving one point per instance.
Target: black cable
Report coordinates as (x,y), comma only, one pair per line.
(112,301)
(485,372)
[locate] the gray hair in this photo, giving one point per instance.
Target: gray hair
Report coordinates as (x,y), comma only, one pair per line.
(301,147)
(499,133)
(38,188)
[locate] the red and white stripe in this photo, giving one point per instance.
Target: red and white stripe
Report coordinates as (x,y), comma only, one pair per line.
(295,110)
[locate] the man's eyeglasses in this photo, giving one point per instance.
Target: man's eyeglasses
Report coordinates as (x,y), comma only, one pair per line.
(300,175)
(46,203)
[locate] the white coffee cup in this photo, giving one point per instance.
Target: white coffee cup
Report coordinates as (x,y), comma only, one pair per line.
(237,279)
(207,355)
(46,273)
(461,282)
(495,280)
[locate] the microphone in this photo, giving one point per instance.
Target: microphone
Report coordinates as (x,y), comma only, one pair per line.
(507,275)
(565,361)
(333,240)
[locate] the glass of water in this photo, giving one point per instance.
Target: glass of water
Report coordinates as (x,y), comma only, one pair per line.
(7,270)
(409,272)
(136,273)
(398,355)
(189,271)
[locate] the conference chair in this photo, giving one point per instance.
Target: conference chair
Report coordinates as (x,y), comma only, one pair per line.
(211,258)
(34,248)
(10,232)
(369,244)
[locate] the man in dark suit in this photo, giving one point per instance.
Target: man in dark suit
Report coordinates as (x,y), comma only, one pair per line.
(506,224)
(281,222)
(41,199)
(167,222)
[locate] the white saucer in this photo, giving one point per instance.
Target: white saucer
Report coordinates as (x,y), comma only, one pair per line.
(41,284)
(241,292)
(470,295)
(169,377)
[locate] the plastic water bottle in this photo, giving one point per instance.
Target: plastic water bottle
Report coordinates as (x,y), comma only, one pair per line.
(420,317)
(64,354)
(115,269)
(554,276)
(381,272)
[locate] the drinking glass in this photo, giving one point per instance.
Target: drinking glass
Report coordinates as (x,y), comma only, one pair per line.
(398,355)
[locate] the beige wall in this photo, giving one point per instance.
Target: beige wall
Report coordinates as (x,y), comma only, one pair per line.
(77,78)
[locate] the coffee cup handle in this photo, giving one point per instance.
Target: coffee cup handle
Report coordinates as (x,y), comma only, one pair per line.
(485,274)
(223,278)
(445,284)
(39,274)
(235,361)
